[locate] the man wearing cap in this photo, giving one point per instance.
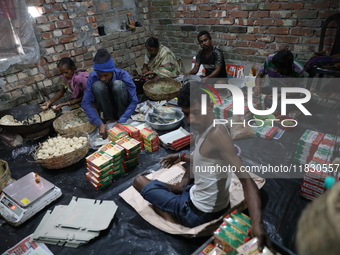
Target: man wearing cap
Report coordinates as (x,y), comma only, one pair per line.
(112,89)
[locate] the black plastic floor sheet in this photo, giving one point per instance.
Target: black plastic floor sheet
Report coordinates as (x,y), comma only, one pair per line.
(130,234)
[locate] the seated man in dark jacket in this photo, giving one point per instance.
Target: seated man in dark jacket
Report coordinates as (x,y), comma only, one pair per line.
(112,89)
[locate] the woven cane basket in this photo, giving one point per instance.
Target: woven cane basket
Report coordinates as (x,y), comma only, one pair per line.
(77,117)
(162,88)
(66,159)
(5,173)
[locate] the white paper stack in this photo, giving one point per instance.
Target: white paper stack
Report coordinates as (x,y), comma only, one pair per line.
(75,224)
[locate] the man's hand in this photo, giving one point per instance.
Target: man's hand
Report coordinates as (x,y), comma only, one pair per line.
(44,106)
(258,231)
(57,107)
(170,160)
(103,131)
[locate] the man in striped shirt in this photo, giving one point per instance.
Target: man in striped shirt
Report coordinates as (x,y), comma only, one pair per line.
(282,71)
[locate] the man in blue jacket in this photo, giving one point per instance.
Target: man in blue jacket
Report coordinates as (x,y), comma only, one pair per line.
(112,89)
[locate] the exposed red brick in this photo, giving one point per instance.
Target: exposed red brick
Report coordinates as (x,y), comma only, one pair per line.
(46,9)
(209,7)
(47,35)
(79,51)
(226,21)
(239,44)
(309,40)
(52,17)
(258,45)
(88,62)
(47,27)
(16,93)
(280,14)
(228,36)
(326,14)
(34,2)
(64,24)
(60,56)
(245,51)
(91,19)
(202,14)
(68,39)
(63,16)
(229,6)
(268,22)
(302,31)
(256,30)
(278,30)
(286,22)
(41,19)
(259,14)
(219,14)
(286,39)
(42,61)
(210,21)
(309,22)
(238,14)
(305,14)
(48,43)
(80,58)
(329,41)
(279,46)
(265,38)
(57,7)
(102,6)
(247,37)
(318,5)
(59,48)
(244,22)
(67,31)
(270,6)
(291,6)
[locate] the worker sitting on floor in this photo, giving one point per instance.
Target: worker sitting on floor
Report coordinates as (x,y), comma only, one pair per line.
(203,196)
(73,81)
(282,71)
(159,61)
(112,89)
(210,57)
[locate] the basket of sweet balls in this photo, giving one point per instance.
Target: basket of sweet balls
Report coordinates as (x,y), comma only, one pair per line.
(62,151)
(73,121)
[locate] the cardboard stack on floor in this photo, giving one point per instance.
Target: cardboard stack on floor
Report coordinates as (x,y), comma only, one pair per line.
(177,139)
(119,156)
(132,131)
(104,164)
(315,151)
(132,148)
(150,139)
(75,224)
(233,237)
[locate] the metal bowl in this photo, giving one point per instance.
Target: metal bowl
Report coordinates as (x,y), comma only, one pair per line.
(169,126)
(191,78)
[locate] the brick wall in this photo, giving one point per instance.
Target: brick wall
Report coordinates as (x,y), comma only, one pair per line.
(246,30)
(69,29)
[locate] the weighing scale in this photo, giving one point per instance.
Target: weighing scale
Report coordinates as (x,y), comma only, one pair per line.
(25,197)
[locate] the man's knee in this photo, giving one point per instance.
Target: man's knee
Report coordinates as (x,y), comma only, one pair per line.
(118,86)
(98,87)
(139,182)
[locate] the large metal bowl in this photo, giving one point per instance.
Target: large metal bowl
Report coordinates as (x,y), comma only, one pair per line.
(21,113)
(170,126)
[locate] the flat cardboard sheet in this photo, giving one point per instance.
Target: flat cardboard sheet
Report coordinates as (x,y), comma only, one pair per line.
(132,197)
(174,135)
